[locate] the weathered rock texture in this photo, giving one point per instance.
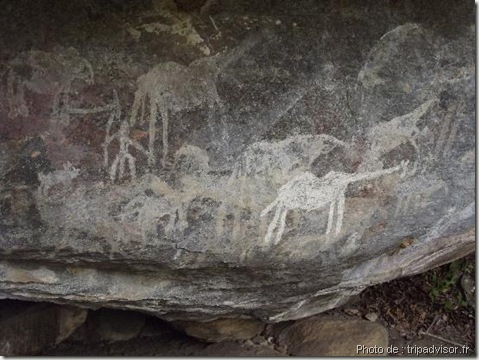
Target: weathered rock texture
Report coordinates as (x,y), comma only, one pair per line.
(232,159)
(39,326)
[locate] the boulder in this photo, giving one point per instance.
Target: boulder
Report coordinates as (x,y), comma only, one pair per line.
(222,329)
(243,160)
(115,325)
(231,349)
(334,337)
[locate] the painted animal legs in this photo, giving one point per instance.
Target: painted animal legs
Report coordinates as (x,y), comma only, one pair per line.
(164,118)
(282,224)
(152,133)
(331,216)
(18,106)
(56,103)
(273,224)
(339,220)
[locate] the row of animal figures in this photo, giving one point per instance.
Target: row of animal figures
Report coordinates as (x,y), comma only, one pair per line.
(288,162)
(165,90)
(170,88)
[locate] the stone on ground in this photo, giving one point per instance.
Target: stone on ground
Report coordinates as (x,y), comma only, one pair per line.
(229,348)
(116,325)
(222,329)
(333,337)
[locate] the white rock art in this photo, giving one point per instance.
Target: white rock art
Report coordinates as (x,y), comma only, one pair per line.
(192,159)
(170,88)
(468,160)
(145,213)
(449,129)
(308,192)
(191,163)
(416,196)
(46,73)
(117,169)
(64,176)
(174,22)
(268,165)
(386,136)
(118,166)
(455,75)
(384,52)
(452,217)
(351,244)
(285,158)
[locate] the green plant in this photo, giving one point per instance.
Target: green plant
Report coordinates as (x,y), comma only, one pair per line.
(444,283)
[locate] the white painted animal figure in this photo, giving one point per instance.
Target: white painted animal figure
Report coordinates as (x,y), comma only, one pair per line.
(144,212)
(386,50)
(170,88)
(386,136)
(417,194)
(45,73)
(308,192)
(284,158)
(449,128)
(64,176)
(190,159)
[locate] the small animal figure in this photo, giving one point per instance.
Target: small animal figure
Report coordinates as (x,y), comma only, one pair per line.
(65,177)
(386,136)
(284,158)
(45,73)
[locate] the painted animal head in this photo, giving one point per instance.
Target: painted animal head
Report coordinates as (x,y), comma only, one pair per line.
(70,169)
(79,67)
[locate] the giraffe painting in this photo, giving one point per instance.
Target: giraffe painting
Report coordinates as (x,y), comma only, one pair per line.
(308,192)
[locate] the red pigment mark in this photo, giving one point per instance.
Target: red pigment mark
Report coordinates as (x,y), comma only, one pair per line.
(18,128)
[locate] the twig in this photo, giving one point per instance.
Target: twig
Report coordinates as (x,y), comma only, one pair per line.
(440,338)
(433,323)
(94,110)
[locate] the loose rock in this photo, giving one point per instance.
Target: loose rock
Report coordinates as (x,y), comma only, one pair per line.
(222,329)
(320,337)
(116,325)
(229,348)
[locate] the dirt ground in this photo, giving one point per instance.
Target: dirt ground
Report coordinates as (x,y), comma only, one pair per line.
(435,308)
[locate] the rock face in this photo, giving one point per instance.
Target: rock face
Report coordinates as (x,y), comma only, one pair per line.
(237,160)
(40,326)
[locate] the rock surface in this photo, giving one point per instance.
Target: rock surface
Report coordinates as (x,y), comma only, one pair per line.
(238,349)
(37,327)
(111,325)
(237,160)
(222,329)
(319,337)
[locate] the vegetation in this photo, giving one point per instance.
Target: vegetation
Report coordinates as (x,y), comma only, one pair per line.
(452,286)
